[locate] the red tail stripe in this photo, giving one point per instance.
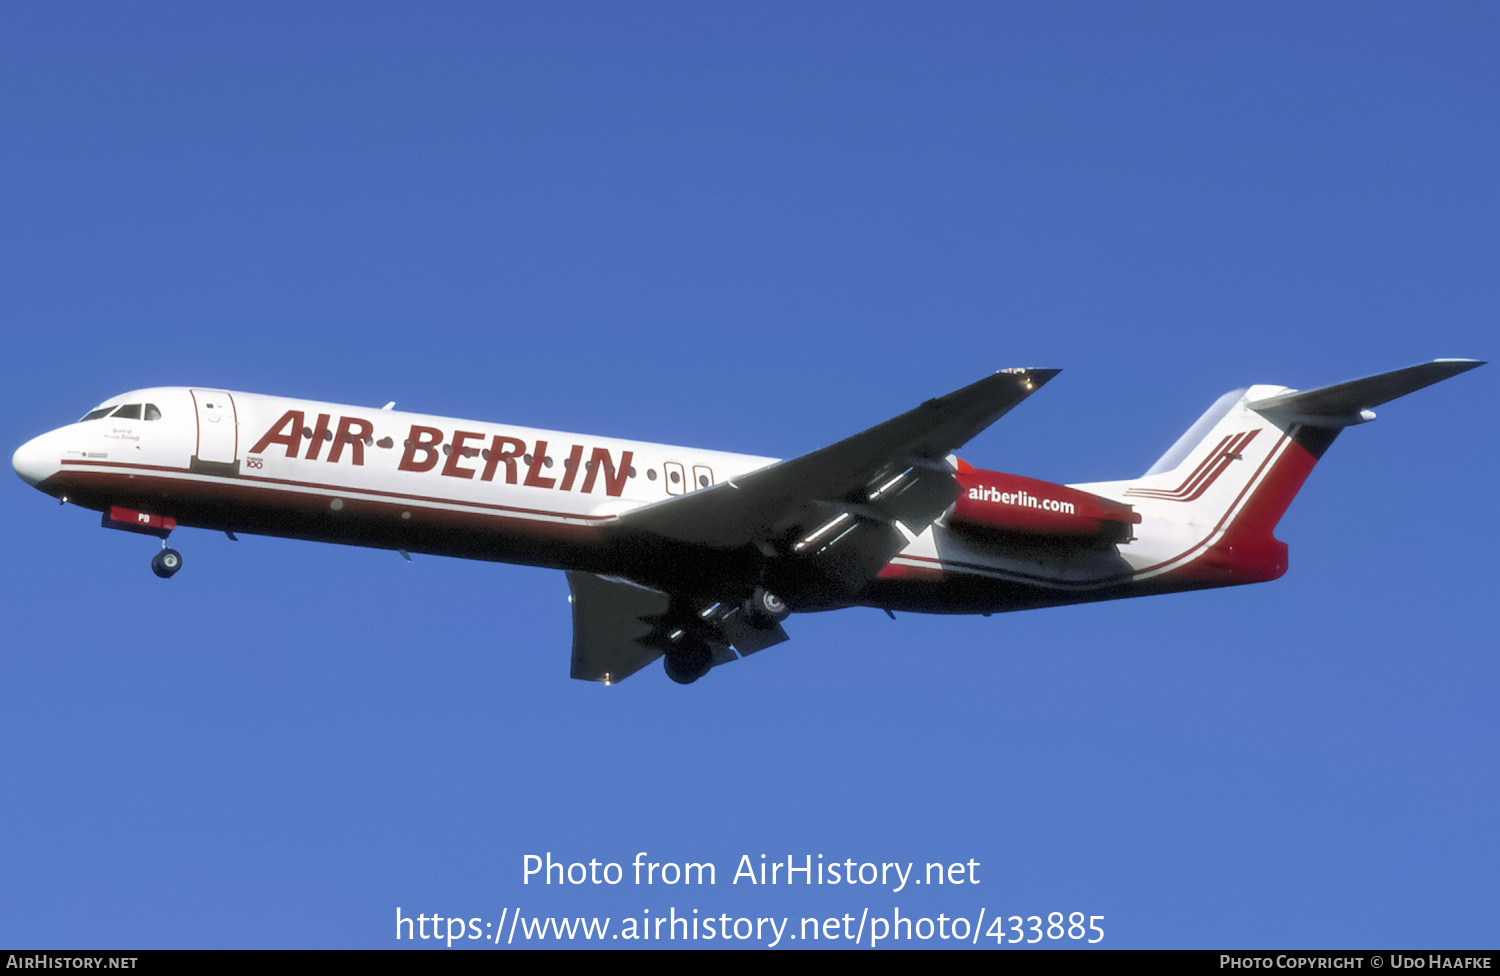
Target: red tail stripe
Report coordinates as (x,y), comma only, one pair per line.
(1205,474)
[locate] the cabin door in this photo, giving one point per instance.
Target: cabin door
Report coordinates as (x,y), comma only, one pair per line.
(218,427)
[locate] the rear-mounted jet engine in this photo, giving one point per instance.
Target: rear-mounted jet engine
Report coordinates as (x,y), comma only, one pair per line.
(991,501)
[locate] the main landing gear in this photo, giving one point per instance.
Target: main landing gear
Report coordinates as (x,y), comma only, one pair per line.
(167,562)
(746,627)
(689,660)
(764,609)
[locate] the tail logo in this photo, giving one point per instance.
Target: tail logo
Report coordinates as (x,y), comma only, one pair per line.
(1205,474)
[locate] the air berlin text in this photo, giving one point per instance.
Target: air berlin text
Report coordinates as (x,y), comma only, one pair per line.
(467,455)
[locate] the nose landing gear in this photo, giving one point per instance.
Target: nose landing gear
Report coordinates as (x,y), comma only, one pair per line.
(167,562)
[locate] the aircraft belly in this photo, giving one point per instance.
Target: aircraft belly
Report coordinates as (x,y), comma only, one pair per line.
(948,570)
(970,593)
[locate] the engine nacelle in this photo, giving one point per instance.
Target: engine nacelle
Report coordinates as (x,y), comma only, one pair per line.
(992,500)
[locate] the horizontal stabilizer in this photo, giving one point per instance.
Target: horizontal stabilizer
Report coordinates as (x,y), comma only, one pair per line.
(1349,403)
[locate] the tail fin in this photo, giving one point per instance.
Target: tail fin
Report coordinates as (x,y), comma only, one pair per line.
(1209,505)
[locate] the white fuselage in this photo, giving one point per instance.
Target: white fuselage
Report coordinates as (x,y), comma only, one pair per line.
(256,463)
(244,462)
(695,556)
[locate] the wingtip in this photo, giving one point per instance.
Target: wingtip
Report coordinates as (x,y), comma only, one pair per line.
(1030,372)
(1449,368)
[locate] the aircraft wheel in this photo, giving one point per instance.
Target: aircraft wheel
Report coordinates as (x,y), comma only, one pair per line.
(765,609)
(166,563)
(688,662)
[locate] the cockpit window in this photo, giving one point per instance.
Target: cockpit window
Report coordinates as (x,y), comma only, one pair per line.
(130,411)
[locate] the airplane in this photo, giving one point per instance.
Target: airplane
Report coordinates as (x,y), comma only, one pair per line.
(698,557)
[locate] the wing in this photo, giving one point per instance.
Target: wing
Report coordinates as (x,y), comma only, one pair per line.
(856,472)
(620,627)
(611,618)
(806,533)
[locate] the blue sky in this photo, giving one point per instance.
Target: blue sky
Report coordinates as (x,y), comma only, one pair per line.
(756,229)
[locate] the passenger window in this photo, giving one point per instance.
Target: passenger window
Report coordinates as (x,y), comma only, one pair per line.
(131,411)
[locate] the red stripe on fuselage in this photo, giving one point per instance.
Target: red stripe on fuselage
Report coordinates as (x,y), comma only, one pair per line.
(1248,551)
(342,491)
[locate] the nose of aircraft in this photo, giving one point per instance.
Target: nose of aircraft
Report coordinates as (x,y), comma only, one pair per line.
(36,460)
